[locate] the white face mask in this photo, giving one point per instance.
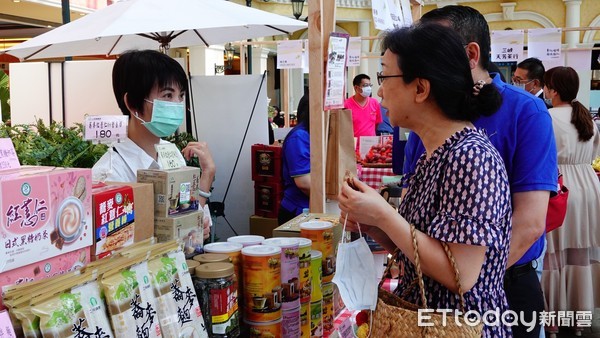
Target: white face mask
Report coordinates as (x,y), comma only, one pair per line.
(355,275)
(366,91)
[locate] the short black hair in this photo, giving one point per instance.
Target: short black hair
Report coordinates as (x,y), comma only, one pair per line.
(535,69)
(435,52)
(136,72)
(358,79)
(468,23)
(303,111)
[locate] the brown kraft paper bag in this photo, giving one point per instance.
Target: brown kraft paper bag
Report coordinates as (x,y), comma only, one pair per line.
(340,151)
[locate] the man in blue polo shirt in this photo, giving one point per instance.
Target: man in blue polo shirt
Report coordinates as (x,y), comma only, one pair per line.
(521,130)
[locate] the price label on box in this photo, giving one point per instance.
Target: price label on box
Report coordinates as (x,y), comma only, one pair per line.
(106,128)
(168,156)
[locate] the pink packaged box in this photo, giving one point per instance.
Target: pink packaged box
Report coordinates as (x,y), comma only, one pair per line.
(47,268)
(44,212)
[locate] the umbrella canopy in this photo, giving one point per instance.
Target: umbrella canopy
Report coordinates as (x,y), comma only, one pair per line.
(150,24)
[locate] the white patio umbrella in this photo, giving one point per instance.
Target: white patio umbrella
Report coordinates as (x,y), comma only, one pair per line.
(154,24)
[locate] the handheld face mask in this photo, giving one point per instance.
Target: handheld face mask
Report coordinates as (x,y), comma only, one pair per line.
(166,117)
(366,91)
(355,274)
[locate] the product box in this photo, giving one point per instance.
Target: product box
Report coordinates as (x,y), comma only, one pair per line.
(267,198)
(114,218)
(123,215)
(292,227)
(262,226)
(143,193)
(175,191)
(266,162)
(47,268)
(187,228)
(46,212)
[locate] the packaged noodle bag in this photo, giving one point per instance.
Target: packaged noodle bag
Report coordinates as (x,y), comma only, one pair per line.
(30,323)
(79,312)
(178,310)
(131,301)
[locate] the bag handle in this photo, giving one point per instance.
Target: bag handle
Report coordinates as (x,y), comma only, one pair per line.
(419,280)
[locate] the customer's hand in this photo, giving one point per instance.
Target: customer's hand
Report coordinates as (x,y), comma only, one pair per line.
(365,206)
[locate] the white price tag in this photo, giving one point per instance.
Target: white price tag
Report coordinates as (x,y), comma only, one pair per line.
(168,156)
(105,128)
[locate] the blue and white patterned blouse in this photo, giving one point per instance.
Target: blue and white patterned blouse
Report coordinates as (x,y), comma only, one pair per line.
(461,195)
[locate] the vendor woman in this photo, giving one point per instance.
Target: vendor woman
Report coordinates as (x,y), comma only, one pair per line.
(150,88)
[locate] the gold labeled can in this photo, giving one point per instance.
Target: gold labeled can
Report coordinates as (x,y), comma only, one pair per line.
(328,314)
(316,294)
(316,319)
(262,283)
(305,320)
(267,329)
(304,248)
(246,240)
(321,235)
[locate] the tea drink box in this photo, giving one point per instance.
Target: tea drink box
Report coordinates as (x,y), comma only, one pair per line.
(46,212)
(47,268)
(176,191)
(114,216)
(187,228)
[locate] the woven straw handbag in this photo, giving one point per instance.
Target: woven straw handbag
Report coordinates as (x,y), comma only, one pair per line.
(397,318)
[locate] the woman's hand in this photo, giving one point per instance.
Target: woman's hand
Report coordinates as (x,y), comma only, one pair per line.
(365,206)
(201,151)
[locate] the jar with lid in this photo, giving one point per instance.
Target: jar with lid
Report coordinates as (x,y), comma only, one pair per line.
(217,295)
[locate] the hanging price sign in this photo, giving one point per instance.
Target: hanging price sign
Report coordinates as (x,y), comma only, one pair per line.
(105,128)
(168,156)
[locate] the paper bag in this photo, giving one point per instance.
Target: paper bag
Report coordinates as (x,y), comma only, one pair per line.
(340,151)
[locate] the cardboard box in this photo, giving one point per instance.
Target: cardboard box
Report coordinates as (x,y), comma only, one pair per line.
(143,193)
(47,268)
(262,226)
(175,191)
(46,212)
(114,218)
(266,162)
(187,228)
(292,227)
(267,198)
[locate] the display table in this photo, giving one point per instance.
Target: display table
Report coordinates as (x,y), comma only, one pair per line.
(372,176)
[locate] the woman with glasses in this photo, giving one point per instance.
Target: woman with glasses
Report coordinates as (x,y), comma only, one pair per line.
(459,195)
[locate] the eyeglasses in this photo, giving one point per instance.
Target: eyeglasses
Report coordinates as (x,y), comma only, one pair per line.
(518,80)
(381,77)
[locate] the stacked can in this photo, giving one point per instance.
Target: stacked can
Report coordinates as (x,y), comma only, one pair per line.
(246,240)
(321,234)
(304,248)
(316,295)
(234,251)
(212,258)
(290,284)
(261,268)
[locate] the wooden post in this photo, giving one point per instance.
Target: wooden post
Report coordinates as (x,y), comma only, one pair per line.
(321,21)
(285,101)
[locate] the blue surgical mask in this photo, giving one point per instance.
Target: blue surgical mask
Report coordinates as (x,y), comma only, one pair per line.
(167,116)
